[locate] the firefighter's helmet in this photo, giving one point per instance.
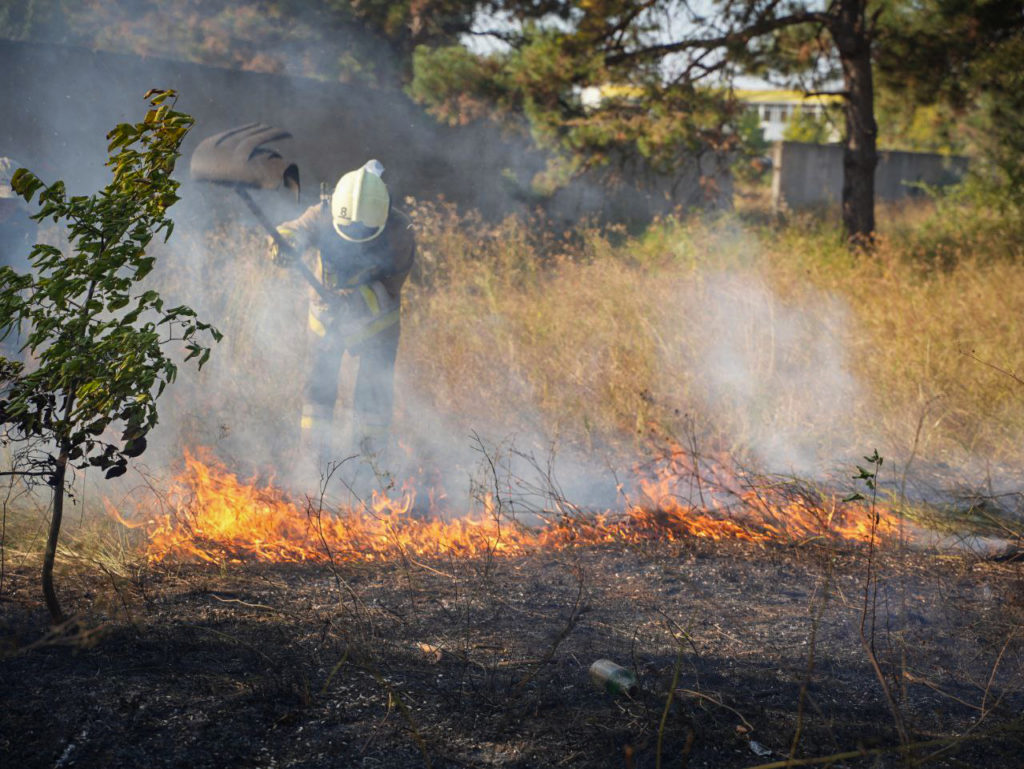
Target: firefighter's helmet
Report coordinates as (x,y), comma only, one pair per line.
(359,205)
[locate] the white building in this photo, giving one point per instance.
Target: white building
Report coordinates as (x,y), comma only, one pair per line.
(776,109)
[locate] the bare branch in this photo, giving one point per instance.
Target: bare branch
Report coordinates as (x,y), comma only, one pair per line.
(762,27)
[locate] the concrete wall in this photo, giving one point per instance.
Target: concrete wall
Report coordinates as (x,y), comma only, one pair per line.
(805,175)
(58,103)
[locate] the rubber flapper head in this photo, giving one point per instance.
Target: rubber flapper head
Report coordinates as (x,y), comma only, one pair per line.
(241,157)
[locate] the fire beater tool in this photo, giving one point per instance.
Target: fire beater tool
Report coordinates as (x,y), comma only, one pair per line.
(239,158)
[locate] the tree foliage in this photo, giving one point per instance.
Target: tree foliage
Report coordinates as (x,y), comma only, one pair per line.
(673,64)
(752,161)
(97,341)
(960,61)
(370,42)
(810,126)
(948,69)
(551,84)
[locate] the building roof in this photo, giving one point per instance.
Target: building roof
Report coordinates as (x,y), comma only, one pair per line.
(592,96)
(780,96)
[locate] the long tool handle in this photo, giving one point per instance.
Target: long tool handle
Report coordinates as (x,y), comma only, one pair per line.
(284,245)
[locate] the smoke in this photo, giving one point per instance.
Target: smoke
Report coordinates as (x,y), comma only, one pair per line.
(776,371)
(779,370)
(771,378)
(530,473)
(245,403)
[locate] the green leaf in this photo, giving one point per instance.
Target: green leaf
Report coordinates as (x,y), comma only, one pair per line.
(116,471)
(92,369)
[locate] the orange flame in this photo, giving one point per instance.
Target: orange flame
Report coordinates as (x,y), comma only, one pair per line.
(769,510)
(217,518)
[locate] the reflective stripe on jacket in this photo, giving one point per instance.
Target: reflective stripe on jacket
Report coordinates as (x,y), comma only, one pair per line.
(360,313)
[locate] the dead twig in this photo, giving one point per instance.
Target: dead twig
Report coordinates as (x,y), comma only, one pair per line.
(971,354)
(717,703)
(403,709)
(316,515)
(117,589)
(906,750)
(668,707)
(69,633)
(574,616)
(258,606)
(869,605)
(995,668)
(982,709)
(805,684)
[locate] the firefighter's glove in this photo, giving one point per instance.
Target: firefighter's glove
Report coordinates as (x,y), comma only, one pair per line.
(282,257)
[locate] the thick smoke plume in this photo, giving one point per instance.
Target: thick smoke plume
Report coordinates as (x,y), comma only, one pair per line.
(775,373)
(244,404)
(771,376)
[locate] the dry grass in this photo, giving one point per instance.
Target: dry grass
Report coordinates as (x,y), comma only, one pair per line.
(767,340)
(736,330)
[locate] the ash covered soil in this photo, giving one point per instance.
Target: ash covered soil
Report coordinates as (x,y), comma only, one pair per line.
(483,662)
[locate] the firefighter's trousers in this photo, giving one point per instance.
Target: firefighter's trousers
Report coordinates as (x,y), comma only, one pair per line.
(372,399)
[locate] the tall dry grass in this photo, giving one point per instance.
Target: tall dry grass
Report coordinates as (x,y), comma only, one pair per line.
(766,339)
(742,331)
(769,340)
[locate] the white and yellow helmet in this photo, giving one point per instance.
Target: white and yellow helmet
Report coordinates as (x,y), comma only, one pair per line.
(359,205)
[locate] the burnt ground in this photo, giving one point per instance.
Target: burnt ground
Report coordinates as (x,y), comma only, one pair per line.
(483,663)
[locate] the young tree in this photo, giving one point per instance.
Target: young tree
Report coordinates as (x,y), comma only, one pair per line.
(97,338)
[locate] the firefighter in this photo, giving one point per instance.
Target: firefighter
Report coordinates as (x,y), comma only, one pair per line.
(364,251)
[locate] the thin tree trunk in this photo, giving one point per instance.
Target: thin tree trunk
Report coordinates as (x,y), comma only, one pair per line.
(851,33)
(60,473)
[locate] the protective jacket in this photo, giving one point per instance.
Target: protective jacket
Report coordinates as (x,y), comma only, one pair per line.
(366,279)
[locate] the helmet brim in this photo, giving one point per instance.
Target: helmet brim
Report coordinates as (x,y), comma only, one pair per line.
(353,238)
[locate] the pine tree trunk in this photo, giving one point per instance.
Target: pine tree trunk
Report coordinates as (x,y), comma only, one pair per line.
(50,555)
(849,29)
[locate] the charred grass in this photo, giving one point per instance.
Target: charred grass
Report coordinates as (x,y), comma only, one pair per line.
(746,655)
